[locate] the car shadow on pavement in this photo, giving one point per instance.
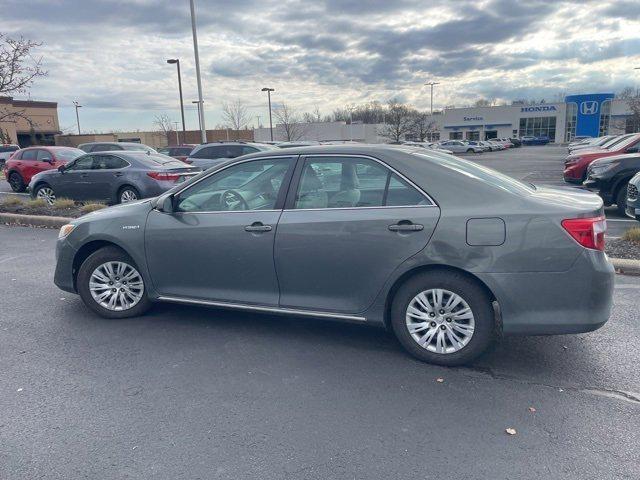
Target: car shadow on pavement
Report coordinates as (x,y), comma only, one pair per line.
(550,360)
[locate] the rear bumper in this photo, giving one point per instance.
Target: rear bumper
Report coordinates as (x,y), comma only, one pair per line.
(541,303)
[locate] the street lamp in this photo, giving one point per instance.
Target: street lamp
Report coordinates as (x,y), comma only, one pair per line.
(203,131)
(431,84)
(198,104)
(77,105)
(269,90)
(176,61)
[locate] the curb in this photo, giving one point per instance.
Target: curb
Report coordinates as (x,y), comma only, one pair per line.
(626,266)
(34,220)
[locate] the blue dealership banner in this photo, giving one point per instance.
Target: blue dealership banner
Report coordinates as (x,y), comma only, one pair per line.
(588,108)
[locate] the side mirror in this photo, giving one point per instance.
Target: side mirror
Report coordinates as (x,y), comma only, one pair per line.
(165,204)
(48,160)
(61,168)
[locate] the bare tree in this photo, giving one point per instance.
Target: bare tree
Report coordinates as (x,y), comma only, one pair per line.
(422,126)
(18,70)
(313,117)
(235,115)
(632,97)
(288,118)
(164,126)
(398,121)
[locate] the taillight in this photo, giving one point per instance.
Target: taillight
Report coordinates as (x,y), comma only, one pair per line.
(588,232)
(164,176)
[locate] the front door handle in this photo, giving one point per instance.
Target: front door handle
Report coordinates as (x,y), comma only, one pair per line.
(257,227)
(118,174)
(406,227)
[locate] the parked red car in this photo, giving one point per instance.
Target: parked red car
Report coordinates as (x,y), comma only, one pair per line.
(25,163)
(575,165)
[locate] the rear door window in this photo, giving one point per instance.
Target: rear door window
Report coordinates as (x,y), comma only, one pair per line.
(29,155)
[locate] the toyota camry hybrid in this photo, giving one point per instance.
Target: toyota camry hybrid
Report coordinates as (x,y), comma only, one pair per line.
(447,254)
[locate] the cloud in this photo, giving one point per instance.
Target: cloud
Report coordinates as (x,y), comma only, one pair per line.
(110,54)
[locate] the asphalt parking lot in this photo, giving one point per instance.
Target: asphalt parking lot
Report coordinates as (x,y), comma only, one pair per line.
(195,393)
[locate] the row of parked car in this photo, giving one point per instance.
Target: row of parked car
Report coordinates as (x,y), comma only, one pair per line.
(606,165)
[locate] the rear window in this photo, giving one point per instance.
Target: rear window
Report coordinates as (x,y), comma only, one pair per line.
(479,172)
(8,148)
(154,160)
(181,151)
(141,148)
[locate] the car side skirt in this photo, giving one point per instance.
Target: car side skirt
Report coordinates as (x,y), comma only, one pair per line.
(263,309)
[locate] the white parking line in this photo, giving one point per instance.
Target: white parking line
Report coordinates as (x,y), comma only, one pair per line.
(14,193)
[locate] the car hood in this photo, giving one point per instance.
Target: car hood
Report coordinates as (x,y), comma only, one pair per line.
(124,209)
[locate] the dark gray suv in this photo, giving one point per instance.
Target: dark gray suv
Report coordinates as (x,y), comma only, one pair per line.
(444,252)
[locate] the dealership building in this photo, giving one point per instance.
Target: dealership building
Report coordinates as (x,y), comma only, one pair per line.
(592,114)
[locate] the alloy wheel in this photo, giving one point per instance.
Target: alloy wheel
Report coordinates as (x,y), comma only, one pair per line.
(47,194)
(116,286)
(128,196)
(440,321)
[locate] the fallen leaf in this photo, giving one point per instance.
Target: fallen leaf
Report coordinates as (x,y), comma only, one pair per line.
(511,431)
(440,380)
(532,410)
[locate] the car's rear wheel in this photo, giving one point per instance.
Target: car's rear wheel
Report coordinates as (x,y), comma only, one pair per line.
(111,285)
(621,200)
(469,150)
(16,182)
(443,317)
(46,193)
(128,194)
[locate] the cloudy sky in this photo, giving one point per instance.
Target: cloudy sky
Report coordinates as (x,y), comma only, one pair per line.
(110,54)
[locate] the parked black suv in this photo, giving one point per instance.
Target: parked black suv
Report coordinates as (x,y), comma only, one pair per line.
(609,177)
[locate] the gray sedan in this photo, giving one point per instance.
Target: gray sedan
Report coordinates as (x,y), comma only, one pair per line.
(113,177)
(447,254)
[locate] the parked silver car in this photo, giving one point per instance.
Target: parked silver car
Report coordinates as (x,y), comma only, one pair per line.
(112,177)
(460,146)
(444,252)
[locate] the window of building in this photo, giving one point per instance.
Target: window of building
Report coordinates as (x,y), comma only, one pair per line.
(572,118)
(455,135)
(489,134)
(538,127)
(605,117)
(473,135)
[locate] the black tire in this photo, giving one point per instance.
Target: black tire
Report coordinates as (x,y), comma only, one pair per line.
(484,333)
(130,189)
(621,199)
(469,150)
(16,182)
(92,262)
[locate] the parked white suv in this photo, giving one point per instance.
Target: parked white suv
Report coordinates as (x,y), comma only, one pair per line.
(460,146)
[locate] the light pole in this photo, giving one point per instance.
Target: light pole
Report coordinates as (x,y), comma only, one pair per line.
(431,84)
(269,90)
(198,104)
(203,131)
(171,61)
(77,105)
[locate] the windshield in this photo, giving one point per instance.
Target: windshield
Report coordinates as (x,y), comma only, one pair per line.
(68,154)
(482,173)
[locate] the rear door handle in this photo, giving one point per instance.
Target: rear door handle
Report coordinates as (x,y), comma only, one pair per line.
(257,227)
(406,227)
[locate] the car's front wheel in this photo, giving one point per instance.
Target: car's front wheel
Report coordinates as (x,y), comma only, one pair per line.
(16,182)
(111,285)
(443,317)
(46,193)
(621,200)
